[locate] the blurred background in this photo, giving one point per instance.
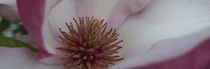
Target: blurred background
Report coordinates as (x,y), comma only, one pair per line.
(10,25)
(12,32)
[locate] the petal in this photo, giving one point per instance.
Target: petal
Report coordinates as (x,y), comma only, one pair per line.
(123,9)
(55,18)
(102,9)
(112,11)
(97,8)
(21,58)
(161,20)
(115,11)
(197,59)
(166,50)
(32,13)
(83,8)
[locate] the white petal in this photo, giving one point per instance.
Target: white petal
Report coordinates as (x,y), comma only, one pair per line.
(163,19)
(165,50)
(21,58)
(56,18)
(103,8)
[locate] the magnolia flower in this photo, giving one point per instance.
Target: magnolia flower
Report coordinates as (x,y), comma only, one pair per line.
(153,31)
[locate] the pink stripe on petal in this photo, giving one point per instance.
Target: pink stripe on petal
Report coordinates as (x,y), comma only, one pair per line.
(125,9)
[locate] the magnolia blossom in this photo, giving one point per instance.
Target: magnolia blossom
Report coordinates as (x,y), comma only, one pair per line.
(153,31)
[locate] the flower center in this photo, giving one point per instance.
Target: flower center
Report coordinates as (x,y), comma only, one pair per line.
(89,44)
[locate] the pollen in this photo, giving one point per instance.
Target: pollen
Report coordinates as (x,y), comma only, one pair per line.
(89,44)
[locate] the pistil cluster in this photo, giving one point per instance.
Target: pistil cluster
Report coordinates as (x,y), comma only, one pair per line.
(89,44)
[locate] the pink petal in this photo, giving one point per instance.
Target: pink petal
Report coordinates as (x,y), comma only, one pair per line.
(32,13)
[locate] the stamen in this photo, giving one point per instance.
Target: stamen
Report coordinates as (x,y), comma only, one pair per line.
(89,44)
